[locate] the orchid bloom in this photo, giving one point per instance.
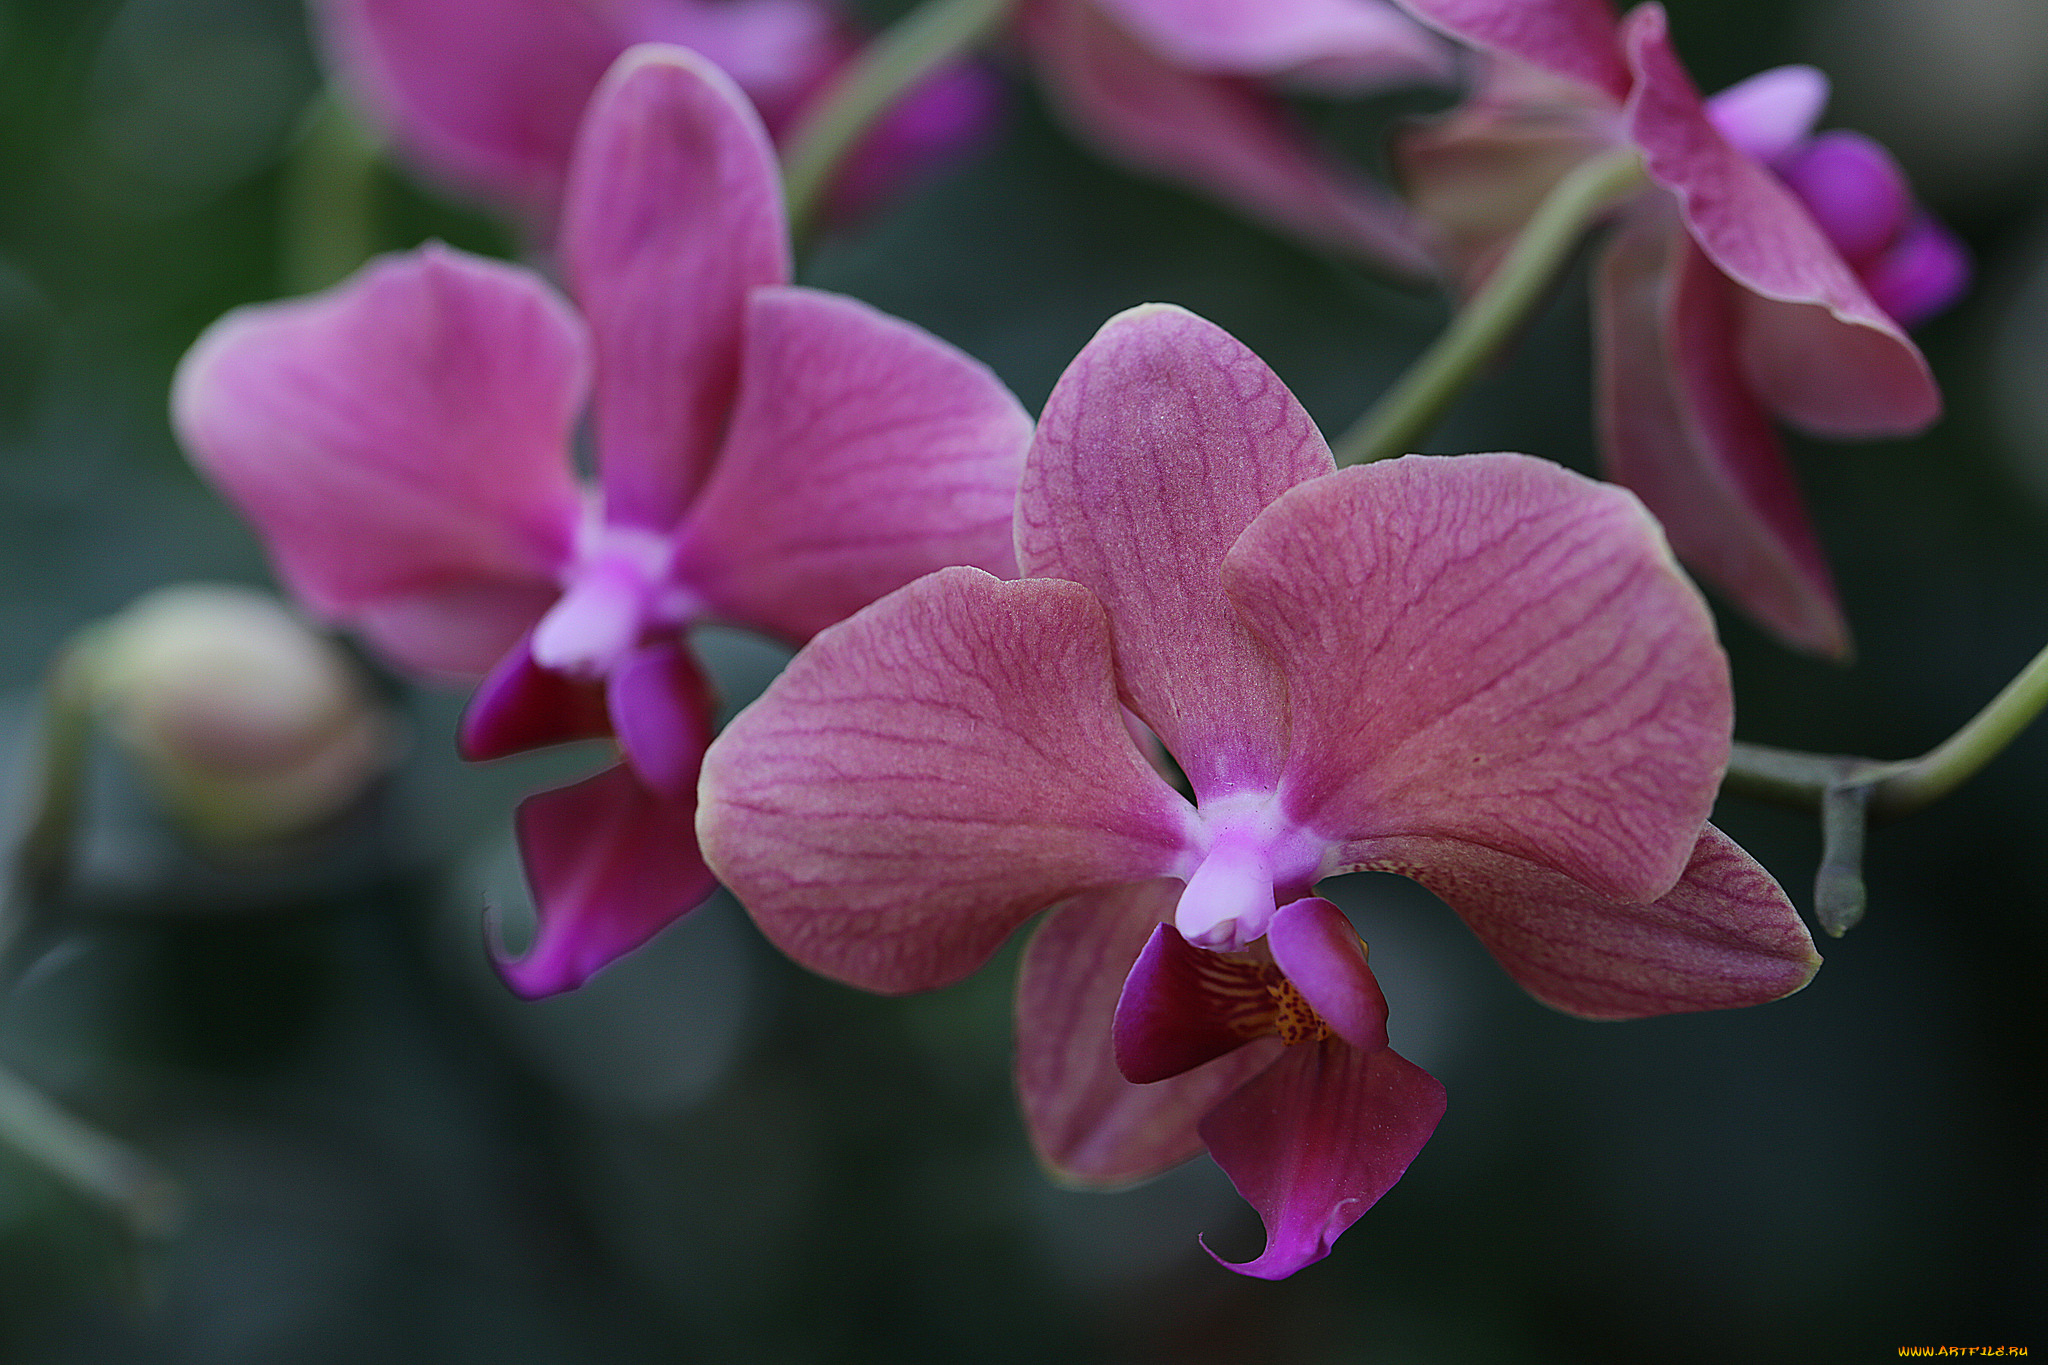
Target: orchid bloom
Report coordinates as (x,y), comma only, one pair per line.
(1482,672)
(1765,272)
(487,95)
(767,455)
(1186,90)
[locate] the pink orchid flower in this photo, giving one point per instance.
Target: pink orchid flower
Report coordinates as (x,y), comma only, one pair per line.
(1768,273)
(1482,672)
(487,95)
(1187,90)
(767,455)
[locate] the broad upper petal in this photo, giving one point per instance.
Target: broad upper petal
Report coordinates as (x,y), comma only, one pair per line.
(1679,425)
(1815,347)
(674,214)
(1573,38)
(1219,133)
(1160,443)
(1088,1124)
(401,443)
(1724,936)
(1493,649)
(930,773)
(611,864)
(864,452)
(485,94)
(1340,44)
(1315,1140)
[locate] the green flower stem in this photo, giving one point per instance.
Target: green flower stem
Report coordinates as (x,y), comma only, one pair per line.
(924,40)
(86,1159)
(1408,410)
(329,197)
(43,860)
(1850,792)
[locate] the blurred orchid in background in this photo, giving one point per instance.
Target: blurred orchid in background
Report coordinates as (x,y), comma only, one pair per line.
(487,95)
(1768,274)
(767,455)
(1484,673)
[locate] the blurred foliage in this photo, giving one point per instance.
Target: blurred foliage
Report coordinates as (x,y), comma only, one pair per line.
(707,1155)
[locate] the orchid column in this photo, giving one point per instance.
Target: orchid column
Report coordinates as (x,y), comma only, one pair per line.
(770,456)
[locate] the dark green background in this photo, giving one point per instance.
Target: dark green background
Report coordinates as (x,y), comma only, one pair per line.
(707,1155)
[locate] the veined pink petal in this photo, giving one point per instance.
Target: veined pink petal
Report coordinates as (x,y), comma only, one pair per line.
(1815,347)
(1490,648)
(1340,44)
(401,442)
(1322,957)
(1572,38)
(1725,936)
(674,214)
(1679,426)
(661,708)
(1088,1124)
(523,706)
(1220,133)
(1316,1140)
(485,94)
(611,864)
(865,452)
(930,773)
(1160,443)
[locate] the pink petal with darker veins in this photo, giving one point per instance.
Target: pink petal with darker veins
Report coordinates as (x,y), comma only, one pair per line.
(929,774)
(864,452)
(1492,649)
(1724,937)
(523,706)
(1815,347)
(401,442)
(1573,38)
(1316,1140)
(1220,133)
(1679,425)
(662,710)
(1159,445)
(1338,44)
(1088,1124)
(674,215)
(611,864)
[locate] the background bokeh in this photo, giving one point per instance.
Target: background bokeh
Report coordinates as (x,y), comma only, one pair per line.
(708,1156)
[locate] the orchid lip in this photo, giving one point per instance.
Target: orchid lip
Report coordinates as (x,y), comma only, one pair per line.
(1252,854)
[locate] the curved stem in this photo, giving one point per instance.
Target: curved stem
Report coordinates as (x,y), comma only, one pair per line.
(924,40)
(329,197)
(88,1160)
(1408,410)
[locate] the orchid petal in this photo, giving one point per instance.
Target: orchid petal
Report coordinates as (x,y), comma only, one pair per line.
(661,708)
(1723,937)
(611,864)
(674,213)
(1343,45)
(1920,274)
(1322,957)
(1680,427)
(485,95)
(1490,648)
(1815,347)
(1182,1006)
(454,633)
(523,706)
(1160,443)
(1088,1124)
(401,441)
(1316,1140)
(777,51)
(1573,38)
(1220,133)
(864,453)
(930,773)
(1771,113)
